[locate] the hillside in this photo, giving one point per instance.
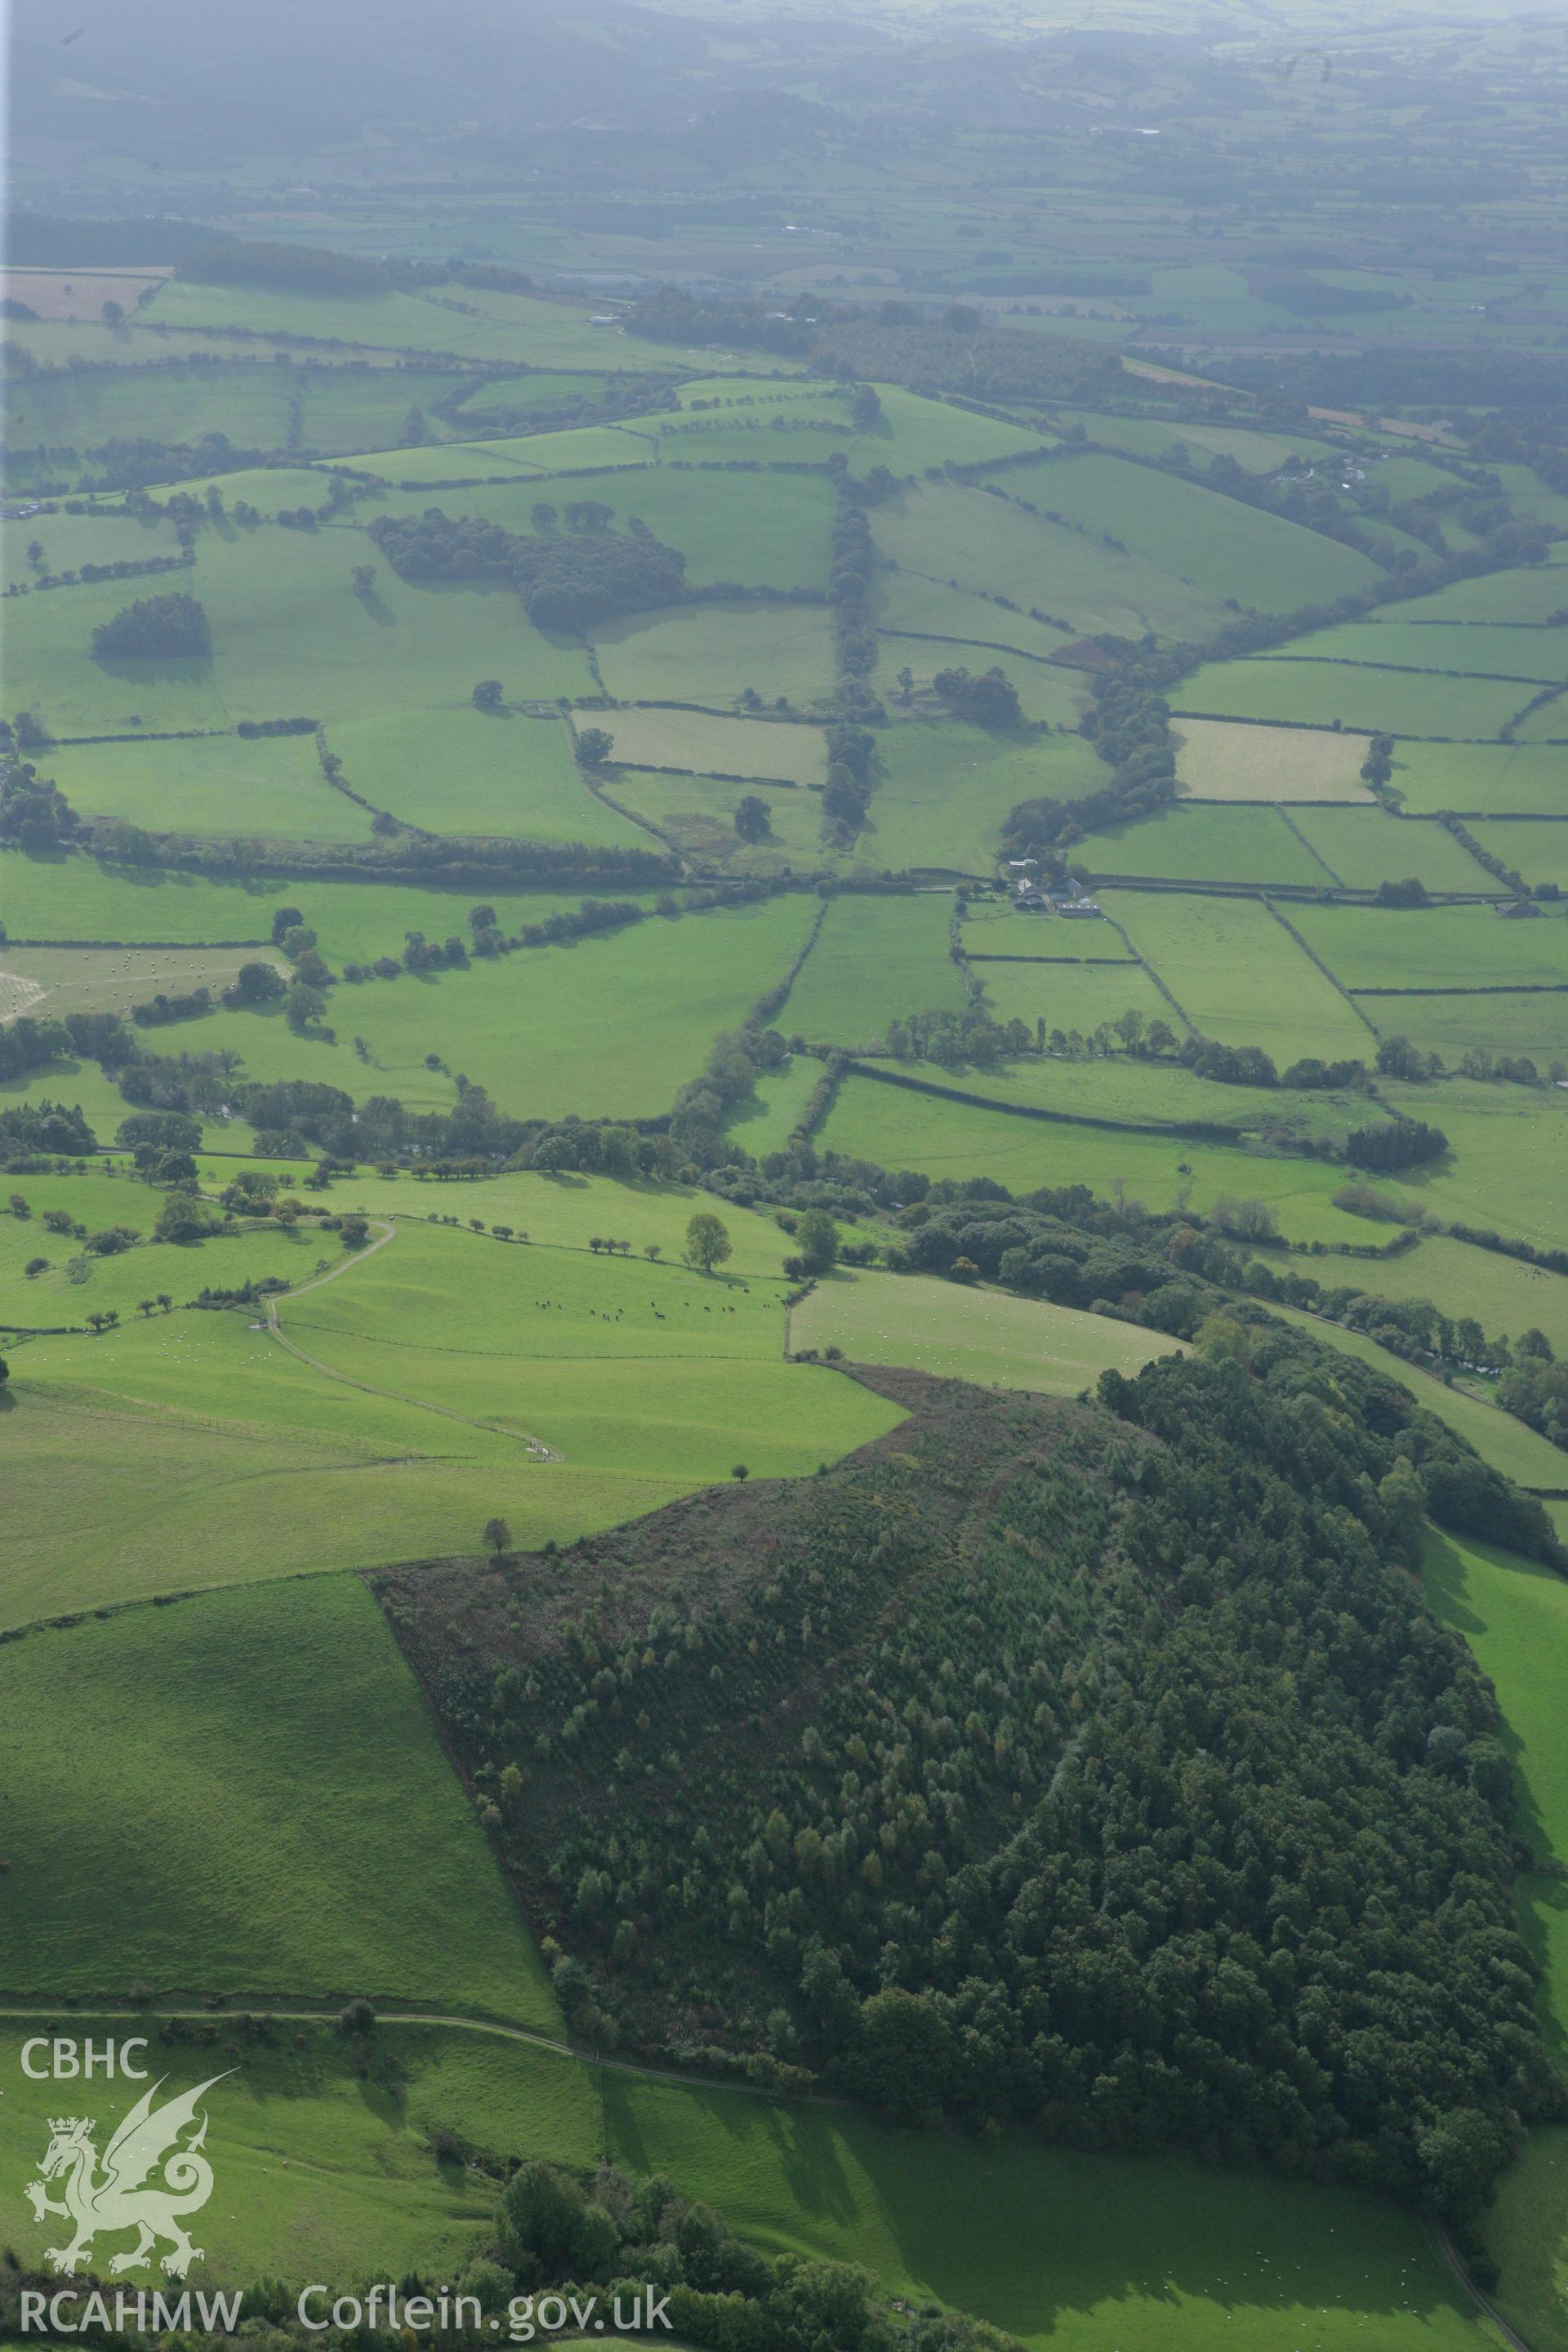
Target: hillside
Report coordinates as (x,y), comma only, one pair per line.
(1095,1766)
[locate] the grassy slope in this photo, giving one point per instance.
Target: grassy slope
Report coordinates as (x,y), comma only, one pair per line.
(1515,1617)
(199,1714)
(988,1336)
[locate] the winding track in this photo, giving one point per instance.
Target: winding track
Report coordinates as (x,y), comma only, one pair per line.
(536,1446)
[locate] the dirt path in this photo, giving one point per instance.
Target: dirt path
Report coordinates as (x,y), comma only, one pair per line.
(535,1446)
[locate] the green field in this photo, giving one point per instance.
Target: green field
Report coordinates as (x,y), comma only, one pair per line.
(695,817)
(1219,546)
(874,961)
(1435,947)
(270,786)
(1503,1294)
(532,1027)
(455,770)
(1470,649)
(944,790)
(710,654)
(992,1337)
(1239,976)
(945,538)
(1069,996)
(1318,693)
(1538,852)
(1207,844)
(1478,779)
(1531,1022)
(902,1130)
(766,1123)
(206,1710)
(1362,847)
(1523,595)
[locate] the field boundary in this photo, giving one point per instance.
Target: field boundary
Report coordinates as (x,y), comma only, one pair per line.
(1313,957)
(1190,1131)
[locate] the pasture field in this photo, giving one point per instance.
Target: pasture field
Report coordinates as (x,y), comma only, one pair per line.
(250,400)
(945,789)
(1147,436)
(944,532)
(1470,649)
(218,785)
(324,2170)
(1069,996)
(560,1209)
(1206,844)
(109,534)
(290,633)
(1045,691)
(461,770)
(722,747)
(1378,701)
(992,1337)
(995,925)
(193,1451)
(1503,1294)
(874,961)
(1533,1022)
(1514,1615)
(910,434)
(1508,1164)
(78,1282)
(112,979)
(1228,761)
(1539,851)
(903,1129)
(1480,778)
(767,1121)
(81,1084)
(1361,848)
(1120,1088)
(195,1708)
(538,1028)
(467,1294)
(768,530)
(1436,947)
(1548,724)
(711,653)
(72,898)
(912,603)
(1239,976)
(1524,597)
(531,456)
(329,2173)
(656,1427)
(696,816)
(1138,2248)
(1221,547)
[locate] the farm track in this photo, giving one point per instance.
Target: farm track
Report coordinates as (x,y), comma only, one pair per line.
(447,2019)
(536,1445)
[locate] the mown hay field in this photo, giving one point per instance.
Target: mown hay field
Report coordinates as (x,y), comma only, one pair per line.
(1230,761)
(708,744)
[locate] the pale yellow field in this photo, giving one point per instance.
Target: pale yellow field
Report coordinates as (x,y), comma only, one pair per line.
(78,293)
(50,982)
(1232,760)
(715,746)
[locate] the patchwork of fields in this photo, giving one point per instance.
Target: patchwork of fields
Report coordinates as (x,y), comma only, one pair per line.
(441,703)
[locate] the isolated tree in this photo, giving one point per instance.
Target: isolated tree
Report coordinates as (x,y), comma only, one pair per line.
(356,2018)
(164,1301)
(498,1537)
(594,746)
(706,1242)
(752,821)
(739,1473)
(36,1266)
(363,577)
(487,693)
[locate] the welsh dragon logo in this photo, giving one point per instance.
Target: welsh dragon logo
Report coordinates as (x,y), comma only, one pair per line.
(120,2197)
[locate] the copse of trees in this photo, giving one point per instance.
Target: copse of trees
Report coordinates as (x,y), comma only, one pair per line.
(565,578)
(983,1776)
(301,268)
(172,626)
